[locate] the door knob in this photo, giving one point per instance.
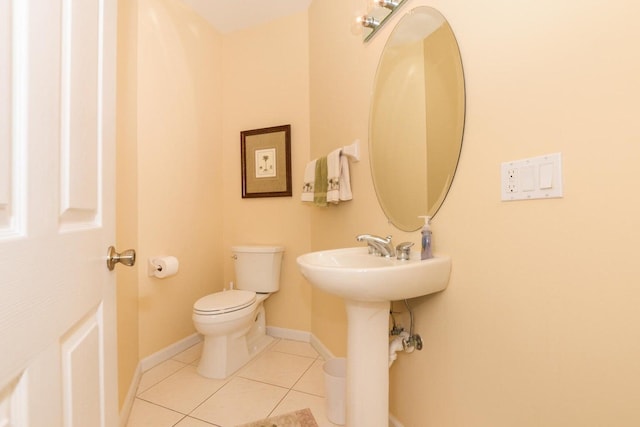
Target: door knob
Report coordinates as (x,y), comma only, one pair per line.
(127,257)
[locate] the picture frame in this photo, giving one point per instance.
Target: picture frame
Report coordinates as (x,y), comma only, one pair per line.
(265,156)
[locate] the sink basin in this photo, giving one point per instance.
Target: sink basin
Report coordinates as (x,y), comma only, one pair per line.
(354,274)
(368,284)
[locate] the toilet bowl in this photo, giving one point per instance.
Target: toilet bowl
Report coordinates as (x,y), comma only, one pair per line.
(233,322)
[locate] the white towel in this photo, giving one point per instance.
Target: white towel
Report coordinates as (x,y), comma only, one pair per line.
(333,176)
(345,179)
(309,180)
(339,185)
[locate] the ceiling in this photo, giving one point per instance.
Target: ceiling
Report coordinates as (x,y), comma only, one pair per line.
(231,15)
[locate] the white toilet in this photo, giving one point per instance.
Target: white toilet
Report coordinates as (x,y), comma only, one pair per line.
(233,321)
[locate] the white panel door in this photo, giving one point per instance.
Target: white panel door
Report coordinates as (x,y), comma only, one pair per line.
(57,211)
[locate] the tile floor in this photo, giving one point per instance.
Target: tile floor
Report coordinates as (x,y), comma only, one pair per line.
(285,377)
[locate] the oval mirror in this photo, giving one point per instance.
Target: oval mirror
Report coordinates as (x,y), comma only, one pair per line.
(417,118)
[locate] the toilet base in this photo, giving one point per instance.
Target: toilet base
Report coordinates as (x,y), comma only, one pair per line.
(224,354)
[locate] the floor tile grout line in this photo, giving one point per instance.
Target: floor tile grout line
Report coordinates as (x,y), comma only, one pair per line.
(303,374)
(180,420)
(161,406)
(279,402)
(307,393)
(289,389)
(200,419)
(175,356)
(237,374)
(185,366)
(296,354)
(149,387)
(265,382)
(226,383)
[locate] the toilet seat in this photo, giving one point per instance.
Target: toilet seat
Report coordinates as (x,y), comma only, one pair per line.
(224,302)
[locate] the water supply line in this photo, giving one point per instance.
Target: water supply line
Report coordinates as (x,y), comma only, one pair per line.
(397,344)
(414,341)
(406,303)
(403,341)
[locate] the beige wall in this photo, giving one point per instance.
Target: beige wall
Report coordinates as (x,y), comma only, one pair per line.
(127,194)
(539,325)
(266,83)
(169,173)
(179,166)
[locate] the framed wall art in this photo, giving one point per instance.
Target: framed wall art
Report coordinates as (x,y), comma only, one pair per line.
(266,162)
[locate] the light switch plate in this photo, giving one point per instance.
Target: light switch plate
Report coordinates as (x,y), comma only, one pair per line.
(532,178)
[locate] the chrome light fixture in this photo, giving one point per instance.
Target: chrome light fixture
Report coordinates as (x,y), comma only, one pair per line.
(376,17)
(368,21)
(389,4)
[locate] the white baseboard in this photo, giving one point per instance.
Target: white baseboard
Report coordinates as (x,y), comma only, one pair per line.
(324,352)
(170,351)
(131,397)
(303,336)
(148,363)
(394,422)
(289,334)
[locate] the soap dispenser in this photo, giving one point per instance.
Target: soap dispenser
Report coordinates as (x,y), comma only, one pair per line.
(426,238)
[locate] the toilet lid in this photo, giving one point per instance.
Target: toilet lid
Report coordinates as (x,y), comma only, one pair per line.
(224,302)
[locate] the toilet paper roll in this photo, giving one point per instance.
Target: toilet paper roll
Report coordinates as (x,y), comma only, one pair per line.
(165,266)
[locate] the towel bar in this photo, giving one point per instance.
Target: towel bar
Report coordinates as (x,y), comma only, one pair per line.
(352,151)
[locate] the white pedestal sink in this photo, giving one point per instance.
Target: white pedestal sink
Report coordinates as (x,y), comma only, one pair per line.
(368,284)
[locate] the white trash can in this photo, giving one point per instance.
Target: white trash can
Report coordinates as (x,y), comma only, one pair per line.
(335,385)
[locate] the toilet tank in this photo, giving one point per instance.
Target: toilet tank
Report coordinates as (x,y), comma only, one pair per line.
(258,267)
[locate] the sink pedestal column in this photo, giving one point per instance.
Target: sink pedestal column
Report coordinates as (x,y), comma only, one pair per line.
(368,364)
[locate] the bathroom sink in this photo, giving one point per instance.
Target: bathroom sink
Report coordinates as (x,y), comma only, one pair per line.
(368,283)
(356,275)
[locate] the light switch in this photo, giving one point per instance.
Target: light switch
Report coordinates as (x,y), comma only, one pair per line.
(546,176)
(528,178)
(532,178)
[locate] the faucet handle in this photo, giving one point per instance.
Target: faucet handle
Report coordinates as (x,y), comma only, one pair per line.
(372,249)
(403,250)
(378,246)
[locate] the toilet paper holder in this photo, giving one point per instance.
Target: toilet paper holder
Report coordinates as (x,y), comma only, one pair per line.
(155,267)
(152,268)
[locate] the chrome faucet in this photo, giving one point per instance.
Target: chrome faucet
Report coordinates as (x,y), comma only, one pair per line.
(378,245)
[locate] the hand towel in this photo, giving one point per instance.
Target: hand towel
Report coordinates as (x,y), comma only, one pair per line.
(333,176)
(339,181)
(345,179)
(309,181)
(321,183)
